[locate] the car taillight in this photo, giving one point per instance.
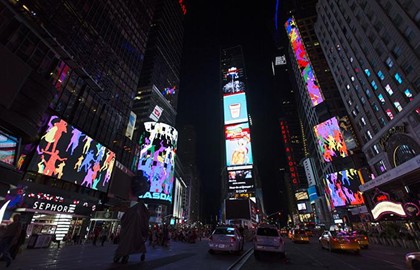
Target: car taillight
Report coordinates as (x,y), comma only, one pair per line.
(232,239)
(333,238)
(365,238)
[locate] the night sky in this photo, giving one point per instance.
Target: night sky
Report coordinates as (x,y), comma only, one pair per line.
(210,26)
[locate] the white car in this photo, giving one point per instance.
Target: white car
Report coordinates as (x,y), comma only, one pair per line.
(268,239)
(226,238)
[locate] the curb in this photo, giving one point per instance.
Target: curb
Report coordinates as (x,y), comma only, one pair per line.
(241,261)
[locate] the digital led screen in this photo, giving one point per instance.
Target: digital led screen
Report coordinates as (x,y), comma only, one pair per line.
(157,160)
(330,140)
(343,188)
(233,86)
(240,181)
(238,145)
(301,195)
(235,109)
(347,131)
(301,206)
(313,194)
(307,72)
(8,147)
(67,153)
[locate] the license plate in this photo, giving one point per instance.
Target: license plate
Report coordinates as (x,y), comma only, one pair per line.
(221,246)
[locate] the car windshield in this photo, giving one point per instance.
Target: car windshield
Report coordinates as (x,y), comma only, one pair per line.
(224,231)
(267,232)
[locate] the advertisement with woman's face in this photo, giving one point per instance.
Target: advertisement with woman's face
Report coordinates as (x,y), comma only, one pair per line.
(238,145)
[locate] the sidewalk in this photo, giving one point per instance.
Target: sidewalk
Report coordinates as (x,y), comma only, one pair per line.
(87,256)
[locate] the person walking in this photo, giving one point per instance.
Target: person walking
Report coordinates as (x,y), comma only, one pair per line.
(95,236)
(104,236)
(133,235)
(9,238)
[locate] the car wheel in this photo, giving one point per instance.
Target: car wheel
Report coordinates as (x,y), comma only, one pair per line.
(366,247)
(330,247)
(320,244)
(357,251)
(282,255)
(211,251)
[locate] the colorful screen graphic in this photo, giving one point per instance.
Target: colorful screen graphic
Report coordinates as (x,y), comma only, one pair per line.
(66,153)
(240,181)
(8,147)
(330,140)
(157,160)
(235,109)
(238,145)
(343,188)
(347,131)
(307,72)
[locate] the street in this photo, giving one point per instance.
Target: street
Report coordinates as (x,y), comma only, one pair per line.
(180,255)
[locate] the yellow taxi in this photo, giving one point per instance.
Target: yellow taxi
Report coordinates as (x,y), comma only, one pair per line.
(339,240)
(300,236)
(362,239)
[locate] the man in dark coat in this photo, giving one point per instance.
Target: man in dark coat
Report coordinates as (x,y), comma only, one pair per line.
(9,238)
(134,231)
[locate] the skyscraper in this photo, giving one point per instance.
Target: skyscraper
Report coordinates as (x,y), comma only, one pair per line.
(372,49)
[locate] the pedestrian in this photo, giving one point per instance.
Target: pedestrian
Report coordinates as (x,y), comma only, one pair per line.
(95,236)
(103,236)
(133,235)
(9,238)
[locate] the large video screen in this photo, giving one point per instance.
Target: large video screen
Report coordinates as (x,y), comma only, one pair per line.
(235,109)
(240,181)
(8,148)
(330,140)
(157,160)
(307,72)
(238,145)
(343,188)
(66,153)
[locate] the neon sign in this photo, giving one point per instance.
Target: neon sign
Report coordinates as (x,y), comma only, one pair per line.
(289,154)
(387,207)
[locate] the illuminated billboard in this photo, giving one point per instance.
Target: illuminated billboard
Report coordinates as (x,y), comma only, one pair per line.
(301,195)
(304,64)
(235,109)
(348,133)
(240,181)
(343,188)
(330,140)
(238,145)
(8,148)
(157,160)
(66,153)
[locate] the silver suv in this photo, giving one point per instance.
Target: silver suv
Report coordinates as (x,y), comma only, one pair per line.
(268,239)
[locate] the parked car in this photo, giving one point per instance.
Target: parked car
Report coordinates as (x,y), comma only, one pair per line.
(362,238)
(300,236)
(334,240)
(412,260)
(268,239)
(226,238)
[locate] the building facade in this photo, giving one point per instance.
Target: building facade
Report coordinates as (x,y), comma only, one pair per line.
(372,49)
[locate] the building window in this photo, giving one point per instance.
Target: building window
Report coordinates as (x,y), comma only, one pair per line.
(389,62)
(380,167)
(382,121)
(381,75)
(398,106)
(396,51)
(368,93)
(367,72)
(389,113)
(375,107)
(369,135)
(362,99)
(363,121)
(404,153)
(389,90)
(407,68)
(376,149)
(398,78)
(381,98)
(373,83)
(407,93)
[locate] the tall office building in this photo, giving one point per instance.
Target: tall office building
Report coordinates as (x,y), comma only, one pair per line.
(157,93)
(373,50)
(238,176)
(70,70)
(331,156)
(158,90)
